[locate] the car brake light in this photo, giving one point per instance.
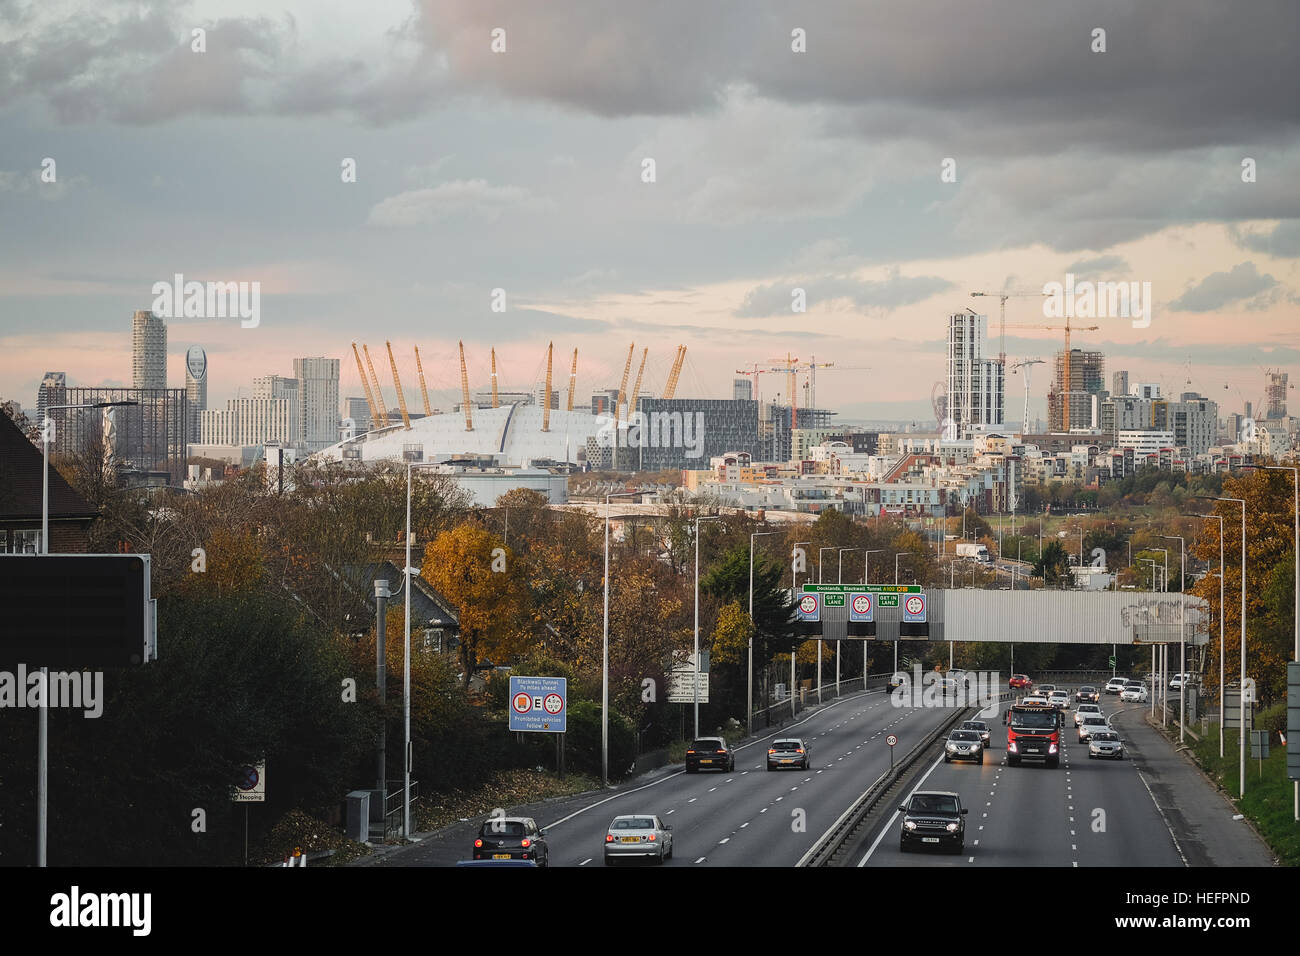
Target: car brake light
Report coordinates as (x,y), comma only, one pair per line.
(652,838)
(478,843)
(799,751)
(527,843)
(609,838)
(720,751)
(771,751)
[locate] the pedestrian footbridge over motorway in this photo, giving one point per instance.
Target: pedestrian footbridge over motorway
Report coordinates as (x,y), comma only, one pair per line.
(1039,617)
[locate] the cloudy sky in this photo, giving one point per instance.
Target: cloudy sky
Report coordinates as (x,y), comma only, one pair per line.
(774,169)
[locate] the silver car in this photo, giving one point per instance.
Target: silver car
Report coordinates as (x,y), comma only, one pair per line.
(981,728)
(963,745)
(1105,743)
(1090,724)
(1084,710)
(638,835)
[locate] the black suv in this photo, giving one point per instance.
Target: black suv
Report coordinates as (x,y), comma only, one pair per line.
(933,818)
(789,752)
(511,838)
(710,753)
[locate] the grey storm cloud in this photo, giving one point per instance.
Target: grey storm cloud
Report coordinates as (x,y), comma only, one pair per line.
(1218,289)
(865,294)
(1282,241)
(1101,266)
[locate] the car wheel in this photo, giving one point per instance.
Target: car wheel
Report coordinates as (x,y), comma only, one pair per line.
(806,764)
(945,759)
(608,861)
(981,761)
(670,851)
(661,857)
(1013,760)
(769,767)
(1054,762)
(690,769)
(902,846)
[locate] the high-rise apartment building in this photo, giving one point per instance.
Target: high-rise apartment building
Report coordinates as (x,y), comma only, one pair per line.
(1086,380)
(742,389)
(1276,395)
(53,391)
(358,409)
(1119,384)
(250,421)
(196,387)
(148,351)
(976,387)
(318,401)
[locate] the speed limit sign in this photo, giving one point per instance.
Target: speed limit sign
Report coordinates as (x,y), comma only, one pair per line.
(891,740)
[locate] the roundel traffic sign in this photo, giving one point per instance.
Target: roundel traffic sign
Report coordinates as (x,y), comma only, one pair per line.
(891,740)
(554,703)
(248,777)
(808,603)
(862,603)
(915,604)
(522,703)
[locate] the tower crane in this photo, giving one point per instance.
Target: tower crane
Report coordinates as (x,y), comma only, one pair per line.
(758,370)
(495,401)
(670,389)
(379,395)
(1002,322)
(573,379)
(622,386)
(464,390)
(546,396)
(1065,372)
(1026,364)
(636,389)
(424,389)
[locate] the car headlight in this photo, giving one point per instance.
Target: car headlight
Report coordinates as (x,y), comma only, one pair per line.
(952,746)
(1051,749)
(952,827)
(909,825)
(1011,747)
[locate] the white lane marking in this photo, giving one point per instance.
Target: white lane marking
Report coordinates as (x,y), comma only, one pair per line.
(700,860)
(822,770)
(670,811)
(977,842)
(692,800)
(889,826)
(743,825)
(794,788)
(711,789)
(729,779)
(585,862)
(743,772)
(723,840)
(764,810)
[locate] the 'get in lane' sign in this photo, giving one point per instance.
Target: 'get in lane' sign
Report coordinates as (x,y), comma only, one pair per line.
(539,704)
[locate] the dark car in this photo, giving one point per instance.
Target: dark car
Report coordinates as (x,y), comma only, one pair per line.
(710,753)
(981,728)
(789,752)
(1086,694)
(933,818)
(511,838)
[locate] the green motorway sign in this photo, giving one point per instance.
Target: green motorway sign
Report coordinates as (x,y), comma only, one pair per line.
(833,600)
(887,600)
(863,589)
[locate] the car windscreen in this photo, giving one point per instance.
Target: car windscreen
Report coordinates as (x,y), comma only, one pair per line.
(1033,720)
(964,735)
(1091,721)
(1105,735)
(786,745)
(707,745)
(634,823)
(932,803)
(974,725)
(507,828)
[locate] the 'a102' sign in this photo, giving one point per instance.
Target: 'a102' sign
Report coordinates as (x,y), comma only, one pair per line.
(539,704)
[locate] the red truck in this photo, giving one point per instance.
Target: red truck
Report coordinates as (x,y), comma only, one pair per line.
(1033,733)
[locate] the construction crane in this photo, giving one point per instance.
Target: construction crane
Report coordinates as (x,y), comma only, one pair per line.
(670,389)
(790,366)
(365,385)
(495,402)
(758,370)
(397,384)
(573,379)
(1026,364)
(424,389)
(1002,323)
(546,396)
(379,395)
(622,386)
(811,387)
(464,390)
(1065,372)
(636,389)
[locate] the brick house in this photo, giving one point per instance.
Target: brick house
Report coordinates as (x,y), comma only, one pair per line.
(20,500)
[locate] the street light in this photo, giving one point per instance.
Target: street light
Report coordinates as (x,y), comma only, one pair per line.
(819,640)
(749,686)
(1241,683)
(43,714)
(866,579)
(1222,657)
(901,554)
(1182,633)
(1164,648)
(839,579)
(604,644)
(794,597)
(1295,481)
(695,688)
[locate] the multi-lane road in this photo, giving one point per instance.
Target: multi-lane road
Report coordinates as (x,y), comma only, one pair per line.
(1082,813)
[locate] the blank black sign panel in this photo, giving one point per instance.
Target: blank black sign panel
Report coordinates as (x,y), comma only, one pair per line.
(71,611)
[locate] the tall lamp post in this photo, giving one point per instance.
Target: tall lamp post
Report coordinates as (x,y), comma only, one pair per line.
(1182,634)
(749,686)
(43,713)
(1241,683)
(901,554)
(839,579)
(819,640)
(695,688)
(1295,480)
(1164,648)
(604,653)
(866,579)
(794,596)
(1222,653)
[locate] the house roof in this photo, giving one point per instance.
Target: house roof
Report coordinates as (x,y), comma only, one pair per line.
(20,482)
(428,606)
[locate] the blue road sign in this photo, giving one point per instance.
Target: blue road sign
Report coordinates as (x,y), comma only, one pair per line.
(914,608)
(810,608)
(862,608)
(539,704)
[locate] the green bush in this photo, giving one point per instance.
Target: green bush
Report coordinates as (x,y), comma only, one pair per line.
(582,741)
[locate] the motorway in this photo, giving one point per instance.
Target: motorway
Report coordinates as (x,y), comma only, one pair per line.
(750,817)
(1083,813)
